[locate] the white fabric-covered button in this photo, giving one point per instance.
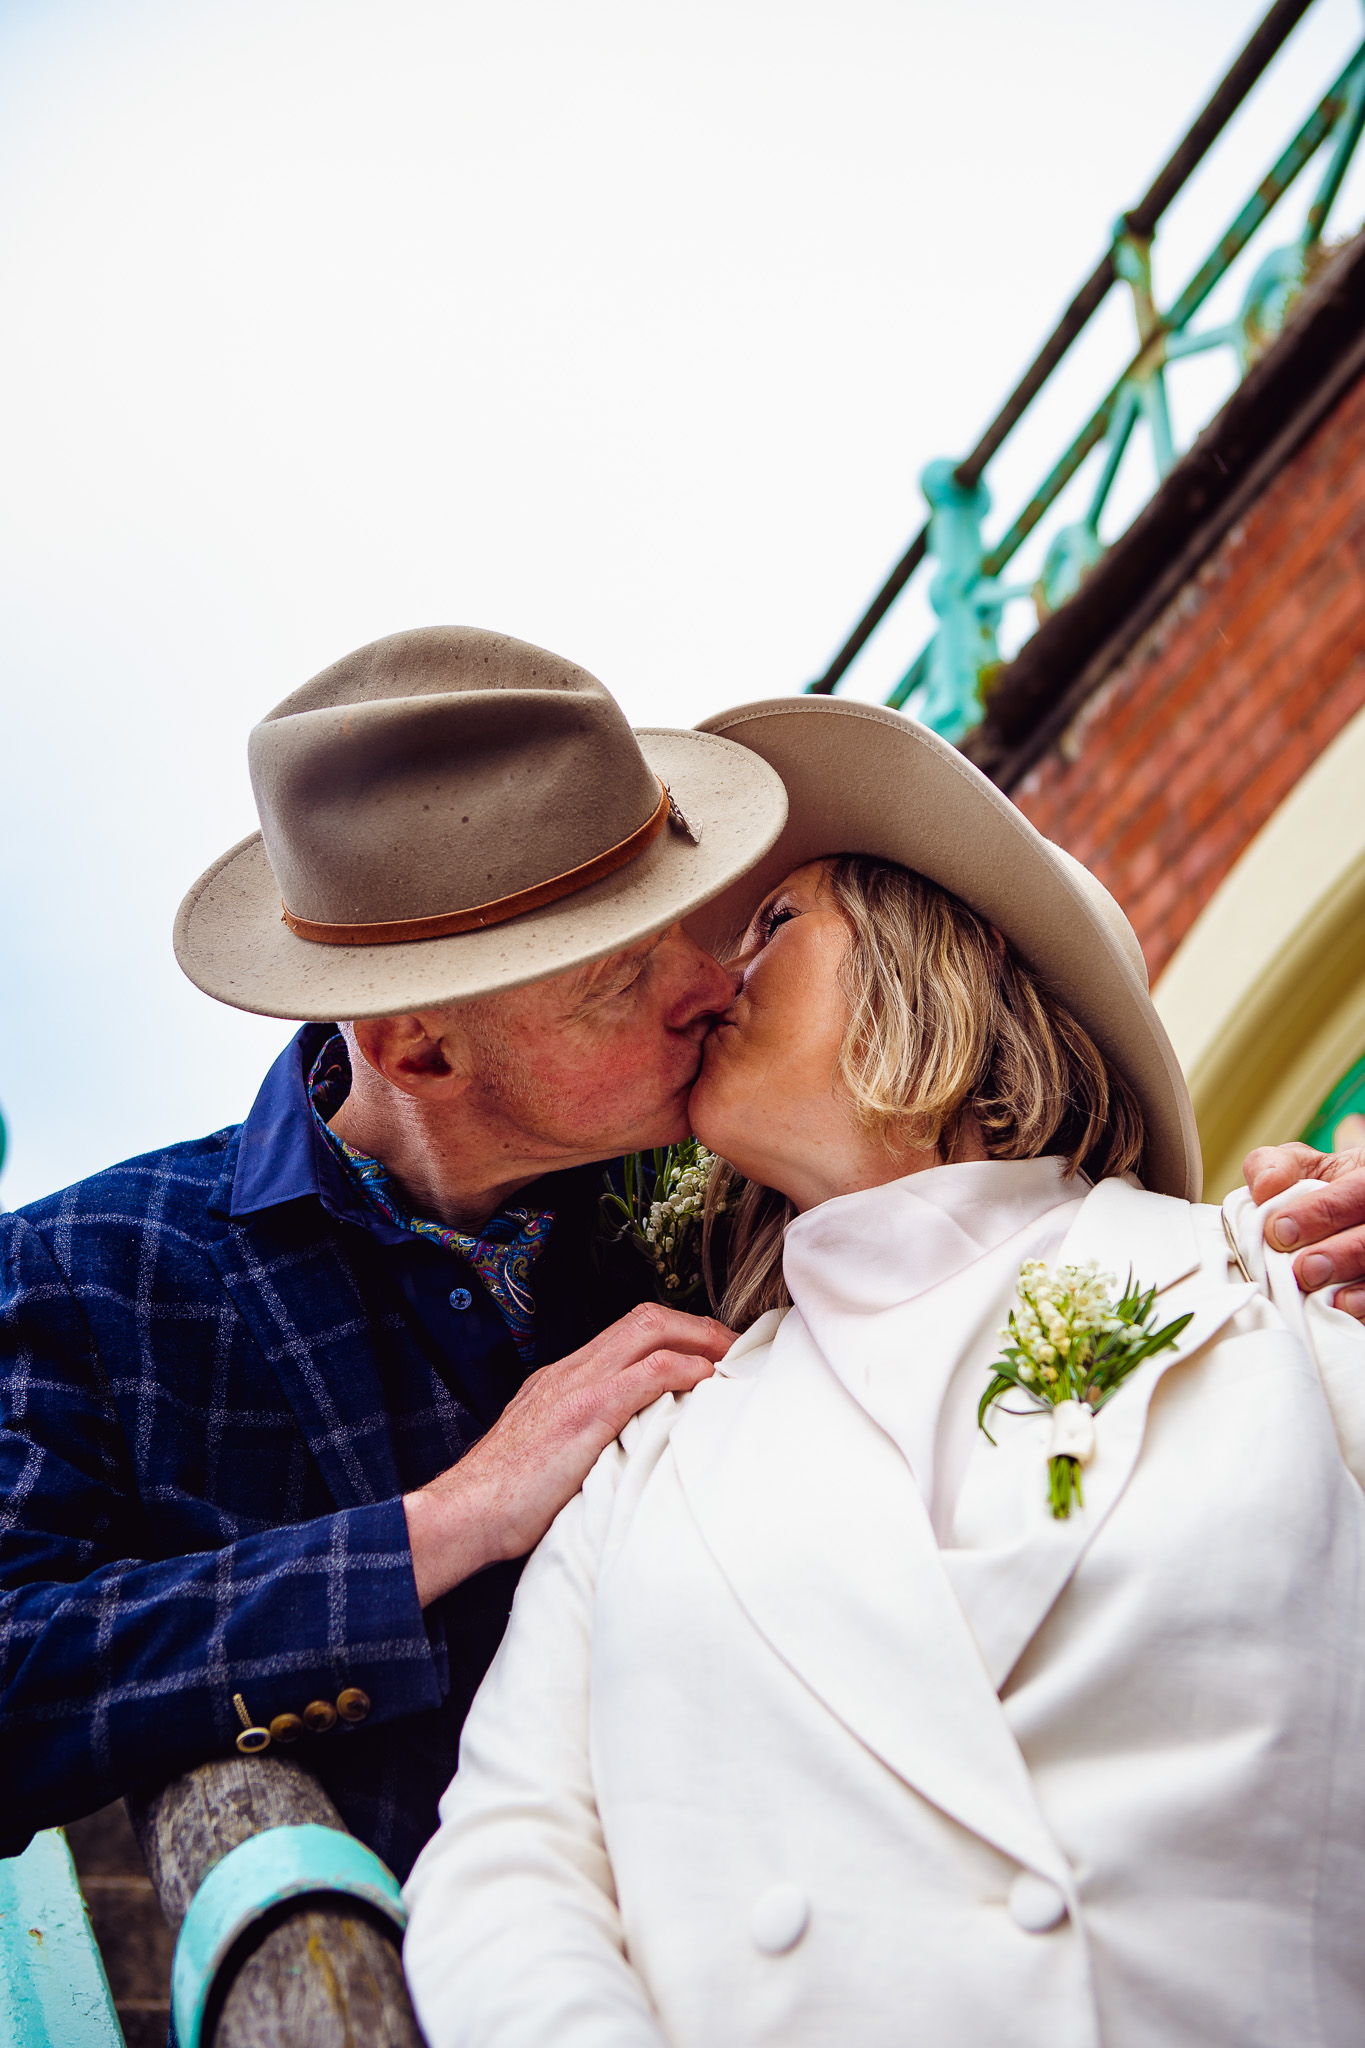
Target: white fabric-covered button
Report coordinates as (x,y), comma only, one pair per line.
(1035,1903)
(779,1919)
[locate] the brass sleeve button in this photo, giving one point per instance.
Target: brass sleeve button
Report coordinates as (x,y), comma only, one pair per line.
(286,1728)
(251,1740)
(319,1715)
(353,1704)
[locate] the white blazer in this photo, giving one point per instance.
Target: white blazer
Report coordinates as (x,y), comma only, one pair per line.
(744,1772)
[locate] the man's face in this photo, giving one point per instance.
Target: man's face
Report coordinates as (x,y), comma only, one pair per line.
(597,1061)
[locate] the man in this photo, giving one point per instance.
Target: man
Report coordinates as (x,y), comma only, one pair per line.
(285,1405)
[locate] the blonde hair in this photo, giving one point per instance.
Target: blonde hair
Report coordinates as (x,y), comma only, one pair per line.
(945,1023)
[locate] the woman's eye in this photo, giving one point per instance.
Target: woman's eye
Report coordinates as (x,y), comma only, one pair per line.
(774,918)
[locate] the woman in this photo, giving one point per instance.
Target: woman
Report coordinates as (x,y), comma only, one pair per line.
(818,1721)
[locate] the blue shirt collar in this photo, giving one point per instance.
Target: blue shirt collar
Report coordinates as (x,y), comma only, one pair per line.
(283,1156)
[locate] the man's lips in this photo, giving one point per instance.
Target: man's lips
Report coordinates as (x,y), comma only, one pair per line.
(694,1065)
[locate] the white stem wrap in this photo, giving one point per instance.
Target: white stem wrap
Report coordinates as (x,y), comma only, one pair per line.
(1073,1432)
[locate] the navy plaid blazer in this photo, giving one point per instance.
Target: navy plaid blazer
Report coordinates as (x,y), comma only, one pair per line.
(206,1425)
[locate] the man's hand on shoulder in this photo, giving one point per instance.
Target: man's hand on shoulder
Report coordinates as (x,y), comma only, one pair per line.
(1324,1225)
(503,1495)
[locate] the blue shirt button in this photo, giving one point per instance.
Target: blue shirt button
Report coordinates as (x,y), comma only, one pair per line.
(460,1297)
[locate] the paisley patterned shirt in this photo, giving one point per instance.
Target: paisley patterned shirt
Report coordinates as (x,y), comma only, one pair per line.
(502,1253)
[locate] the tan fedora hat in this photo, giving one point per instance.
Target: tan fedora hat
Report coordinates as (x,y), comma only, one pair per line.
(864,780)
(449,812)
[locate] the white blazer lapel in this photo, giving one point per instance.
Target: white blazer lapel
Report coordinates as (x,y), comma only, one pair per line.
(1154,1234)
(1008,1594)
(812,1515)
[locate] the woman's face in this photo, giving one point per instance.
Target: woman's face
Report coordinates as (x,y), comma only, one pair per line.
(767,1098)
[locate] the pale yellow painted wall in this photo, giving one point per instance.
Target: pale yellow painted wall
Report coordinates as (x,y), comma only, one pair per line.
(1265,997)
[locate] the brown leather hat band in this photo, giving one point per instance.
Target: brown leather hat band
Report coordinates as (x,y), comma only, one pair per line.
(447,924)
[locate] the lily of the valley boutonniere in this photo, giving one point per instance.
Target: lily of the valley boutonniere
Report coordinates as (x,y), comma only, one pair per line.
(661,1214)
(1069,1347)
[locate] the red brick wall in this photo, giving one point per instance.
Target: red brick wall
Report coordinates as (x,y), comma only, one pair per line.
(1175,763)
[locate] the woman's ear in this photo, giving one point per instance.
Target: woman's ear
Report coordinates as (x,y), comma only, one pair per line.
(997,940)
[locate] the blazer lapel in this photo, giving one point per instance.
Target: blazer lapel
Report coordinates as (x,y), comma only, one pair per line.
(299,1296)
(1007,1594)
(813,1517)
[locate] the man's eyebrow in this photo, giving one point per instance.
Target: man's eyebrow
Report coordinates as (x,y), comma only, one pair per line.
(600,973)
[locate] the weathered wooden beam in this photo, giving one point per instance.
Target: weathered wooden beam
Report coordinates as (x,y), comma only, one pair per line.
(314,1974)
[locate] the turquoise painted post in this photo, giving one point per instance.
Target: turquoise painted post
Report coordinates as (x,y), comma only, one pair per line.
(964,647)
(1281,275)
(1074,552)
(53,1990)
(249,1882)
(1147,378)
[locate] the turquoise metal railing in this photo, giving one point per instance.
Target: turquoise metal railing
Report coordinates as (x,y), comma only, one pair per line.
(943,686)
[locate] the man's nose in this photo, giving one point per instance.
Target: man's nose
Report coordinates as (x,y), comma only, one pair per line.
(710,986)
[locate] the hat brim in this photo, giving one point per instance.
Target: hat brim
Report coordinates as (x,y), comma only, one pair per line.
(861,779)
(233,943)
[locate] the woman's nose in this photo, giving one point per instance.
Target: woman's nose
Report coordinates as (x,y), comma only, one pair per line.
(726,977)
(733,970)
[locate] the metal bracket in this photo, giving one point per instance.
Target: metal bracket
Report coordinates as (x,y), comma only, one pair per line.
(278,1864)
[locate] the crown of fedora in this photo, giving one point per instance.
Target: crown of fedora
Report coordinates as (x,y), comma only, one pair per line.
(447,812)
(389,786)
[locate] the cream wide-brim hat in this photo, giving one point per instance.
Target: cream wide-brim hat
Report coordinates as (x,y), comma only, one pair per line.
(864,780)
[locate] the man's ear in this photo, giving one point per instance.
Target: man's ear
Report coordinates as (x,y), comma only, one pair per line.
(422,1054)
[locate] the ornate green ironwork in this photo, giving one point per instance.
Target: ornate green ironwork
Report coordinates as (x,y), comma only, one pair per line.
(944,685)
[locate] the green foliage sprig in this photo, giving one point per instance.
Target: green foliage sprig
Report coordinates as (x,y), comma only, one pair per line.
(1070,1347)
(661,1213)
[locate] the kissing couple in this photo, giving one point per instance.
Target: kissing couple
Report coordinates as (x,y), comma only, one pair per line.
(957,1635)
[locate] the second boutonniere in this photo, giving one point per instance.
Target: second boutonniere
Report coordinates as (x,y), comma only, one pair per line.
(661,1213)
(1069,1347)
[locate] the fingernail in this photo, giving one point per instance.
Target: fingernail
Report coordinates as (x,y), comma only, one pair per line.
(1314,1269)
(1352,1300)
(1285,1232)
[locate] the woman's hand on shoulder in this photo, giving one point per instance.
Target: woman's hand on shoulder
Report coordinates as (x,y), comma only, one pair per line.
(1324,1225)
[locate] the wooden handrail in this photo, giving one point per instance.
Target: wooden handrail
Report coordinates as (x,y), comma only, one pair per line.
(319,1972)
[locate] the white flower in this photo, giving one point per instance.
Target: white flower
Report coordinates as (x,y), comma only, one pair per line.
(667,1223)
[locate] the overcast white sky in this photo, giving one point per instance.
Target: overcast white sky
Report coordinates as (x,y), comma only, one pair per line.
(622,325)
